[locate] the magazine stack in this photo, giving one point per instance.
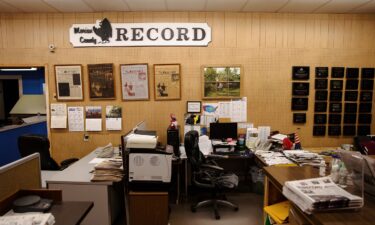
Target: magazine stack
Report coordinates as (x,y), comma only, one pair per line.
(319,194)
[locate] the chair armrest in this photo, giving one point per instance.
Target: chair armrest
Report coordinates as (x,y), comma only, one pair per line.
(65,163)
(214,167)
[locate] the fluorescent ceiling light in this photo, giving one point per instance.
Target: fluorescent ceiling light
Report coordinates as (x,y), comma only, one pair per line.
(20,69)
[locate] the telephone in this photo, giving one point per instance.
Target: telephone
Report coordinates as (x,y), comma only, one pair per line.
(31,203)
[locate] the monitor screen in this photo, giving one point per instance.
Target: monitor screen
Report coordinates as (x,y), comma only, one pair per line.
(223,131)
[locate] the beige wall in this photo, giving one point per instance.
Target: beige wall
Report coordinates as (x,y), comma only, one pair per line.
(266,45)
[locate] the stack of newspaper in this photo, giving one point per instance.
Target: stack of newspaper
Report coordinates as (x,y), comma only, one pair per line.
(32,218)
(302,157)
(319,194)
(110,170)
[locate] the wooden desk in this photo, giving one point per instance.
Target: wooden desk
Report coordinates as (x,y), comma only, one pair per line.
(277,176)
(65,213)
(75,182)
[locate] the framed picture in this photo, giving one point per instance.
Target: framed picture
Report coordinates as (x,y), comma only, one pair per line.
(301,72)
(352,72)
(337,72)
(321,95)
(300,88)
(336,84)
(366,96)
(134,82)
(368,73)
(321,83)
(350,118)
(300,103)
(101,81)
(334,130)
(221,82)
(335,107)
(321,72)
(351,96)
(334,119)
(349,130)
(69,82)
(351,84)
(335,96)
(320,118)
(367,85)
(167,82)
(193,106)
(299,117)
(363,130)
(319,131)
(320,107)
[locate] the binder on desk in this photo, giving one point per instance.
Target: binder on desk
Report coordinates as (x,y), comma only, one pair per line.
(278,212)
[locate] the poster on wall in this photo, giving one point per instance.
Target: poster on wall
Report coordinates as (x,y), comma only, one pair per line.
(134,82)
(69,82)
(93,118)
(113,117)
(75,118)
(167,81)
(101,81)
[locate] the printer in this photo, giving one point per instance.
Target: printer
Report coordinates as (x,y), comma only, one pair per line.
(149,169)
(141,141)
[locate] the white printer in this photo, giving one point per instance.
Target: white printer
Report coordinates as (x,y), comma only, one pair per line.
(149,165)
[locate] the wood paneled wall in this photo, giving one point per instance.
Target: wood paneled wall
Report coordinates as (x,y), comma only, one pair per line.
(267,45)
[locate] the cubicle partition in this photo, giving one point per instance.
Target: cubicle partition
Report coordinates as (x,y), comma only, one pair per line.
(21,174)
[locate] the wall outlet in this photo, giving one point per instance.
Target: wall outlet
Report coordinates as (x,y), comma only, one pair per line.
(86,137)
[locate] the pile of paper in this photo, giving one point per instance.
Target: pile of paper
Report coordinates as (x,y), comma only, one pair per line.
(27,219)
(302,157)
(320,194)
(273,158)
(110,170)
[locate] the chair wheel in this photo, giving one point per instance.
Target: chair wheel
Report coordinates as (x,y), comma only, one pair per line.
(236,209)
(217,217)
(193,209)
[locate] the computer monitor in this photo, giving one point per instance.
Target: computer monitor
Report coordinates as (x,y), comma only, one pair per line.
(222,131)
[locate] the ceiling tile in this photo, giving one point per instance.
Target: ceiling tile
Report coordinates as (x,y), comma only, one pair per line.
(303,6)
(184,5)
(147,5)
(31,5)
(264,5)
(69,5)
(109,5)
(225,5)
(366,8)
(7,8)
(341,6)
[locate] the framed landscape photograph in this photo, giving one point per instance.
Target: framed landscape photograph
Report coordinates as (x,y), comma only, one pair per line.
(134,82)
(101,81)
(221,82)
(69,82)
(167,82)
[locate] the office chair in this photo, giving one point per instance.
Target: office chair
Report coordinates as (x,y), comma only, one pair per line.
(32,143)
(209,176)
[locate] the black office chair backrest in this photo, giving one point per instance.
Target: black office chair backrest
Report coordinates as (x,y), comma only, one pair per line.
(32,143)
(193,153)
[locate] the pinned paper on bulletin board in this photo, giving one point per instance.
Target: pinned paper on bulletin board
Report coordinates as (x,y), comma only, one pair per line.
(75,118)
(234,110)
